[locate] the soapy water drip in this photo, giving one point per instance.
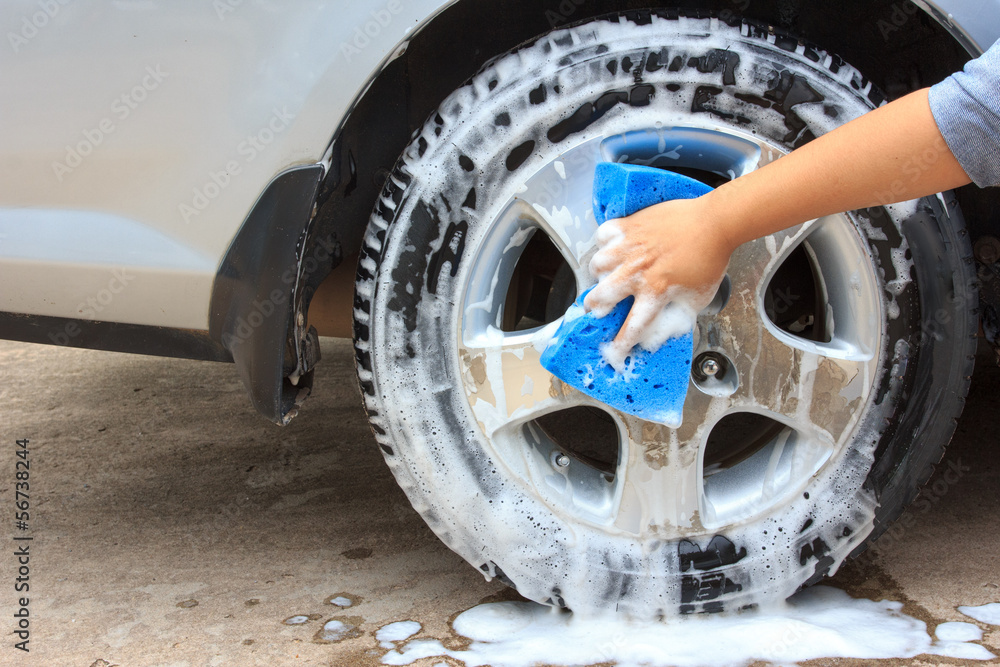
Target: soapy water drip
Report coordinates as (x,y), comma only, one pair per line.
(820,622)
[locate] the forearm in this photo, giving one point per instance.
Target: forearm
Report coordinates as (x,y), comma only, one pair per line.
(681,248)
(892,154)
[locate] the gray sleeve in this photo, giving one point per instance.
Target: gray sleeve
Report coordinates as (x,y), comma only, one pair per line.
(966,108)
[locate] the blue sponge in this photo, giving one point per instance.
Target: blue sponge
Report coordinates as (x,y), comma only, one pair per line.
(623,189)
(657,382)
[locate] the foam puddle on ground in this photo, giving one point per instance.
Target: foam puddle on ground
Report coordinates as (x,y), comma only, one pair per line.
(988,613)
(820,622)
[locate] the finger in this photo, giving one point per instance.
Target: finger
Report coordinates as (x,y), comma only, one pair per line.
(674,319)
(613,354)
(607,294)
(621,347)
(637,324)
(609,233)
(604,262)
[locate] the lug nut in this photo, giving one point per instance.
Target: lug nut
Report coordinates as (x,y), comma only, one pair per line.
(714,374)
(561,460)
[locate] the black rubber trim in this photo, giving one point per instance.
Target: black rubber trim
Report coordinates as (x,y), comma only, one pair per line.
(112,336)
(252,312)
(953,28)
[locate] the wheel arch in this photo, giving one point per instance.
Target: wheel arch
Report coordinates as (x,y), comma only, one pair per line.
(897,44)
(900,46)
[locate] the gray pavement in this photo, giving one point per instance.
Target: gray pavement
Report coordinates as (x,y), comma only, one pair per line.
(173,526)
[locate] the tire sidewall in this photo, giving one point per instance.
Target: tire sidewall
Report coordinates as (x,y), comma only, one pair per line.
(417,261)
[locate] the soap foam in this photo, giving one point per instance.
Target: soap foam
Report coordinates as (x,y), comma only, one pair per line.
(987,613)
(396,632)
(488,518)
(820,622)
(649,382)
(335,631)
(954,641)
(648,385)
(956,631)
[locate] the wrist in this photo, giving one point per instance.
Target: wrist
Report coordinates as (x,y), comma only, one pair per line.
(717,211)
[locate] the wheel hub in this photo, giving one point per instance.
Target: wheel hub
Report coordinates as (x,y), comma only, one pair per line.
(776,387)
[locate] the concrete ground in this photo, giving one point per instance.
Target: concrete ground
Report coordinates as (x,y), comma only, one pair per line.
(173,526)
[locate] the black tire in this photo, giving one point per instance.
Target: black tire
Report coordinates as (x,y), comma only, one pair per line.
(520,112)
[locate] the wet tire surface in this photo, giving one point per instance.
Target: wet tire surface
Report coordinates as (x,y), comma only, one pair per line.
(415,266)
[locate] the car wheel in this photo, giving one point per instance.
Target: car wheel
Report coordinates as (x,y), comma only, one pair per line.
(840,350)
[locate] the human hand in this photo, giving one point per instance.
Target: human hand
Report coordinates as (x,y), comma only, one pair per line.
(671,257)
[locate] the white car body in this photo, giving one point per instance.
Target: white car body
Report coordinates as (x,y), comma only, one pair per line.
(181,114)
(141,136)
(164,96)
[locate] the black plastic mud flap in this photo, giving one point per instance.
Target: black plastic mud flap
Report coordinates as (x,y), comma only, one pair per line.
(253,311)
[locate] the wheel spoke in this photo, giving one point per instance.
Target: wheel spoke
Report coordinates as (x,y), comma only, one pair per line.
(752,266)
(808,385)
(661,484)
(506,383)
(571,231)
(573,234)
(495,266)
(560,198)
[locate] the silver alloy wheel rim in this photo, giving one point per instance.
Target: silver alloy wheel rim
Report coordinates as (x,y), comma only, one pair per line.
(816,389)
